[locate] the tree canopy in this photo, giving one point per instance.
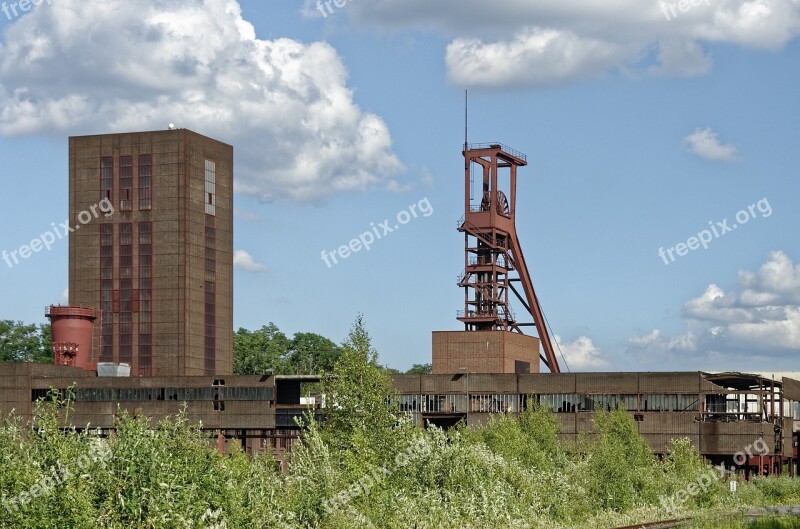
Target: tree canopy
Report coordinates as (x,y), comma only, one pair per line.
(267,348)
(25,343)
(420,369)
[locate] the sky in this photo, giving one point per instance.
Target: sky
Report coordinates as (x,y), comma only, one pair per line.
(658,211)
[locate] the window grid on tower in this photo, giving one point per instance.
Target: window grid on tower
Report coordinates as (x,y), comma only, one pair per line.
(209,289)
(211,187)
(126,183)
(125,292)
(107,292)
(145,299)
(145,181)
(107,178)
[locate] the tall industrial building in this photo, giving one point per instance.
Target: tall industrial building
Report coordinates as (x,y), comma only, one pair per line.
(152,249)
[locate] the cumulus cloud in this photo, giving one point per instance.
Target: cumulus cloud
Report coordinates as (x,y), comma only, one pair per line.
(244,261)
(536,56)
(759,320)
(581,354)
(777,282)
(706,144)
(509,43)
(77,67)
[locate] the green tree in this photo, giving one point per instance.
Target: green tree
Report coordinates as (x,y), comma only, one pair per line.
(25,343)
(621,467)
(311,353)
(256,352)
(420,369)
(359,420)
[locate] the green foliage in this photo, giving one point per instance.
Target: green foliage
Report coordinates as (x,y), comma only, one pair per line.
(257,352)
(779,490)
(727,522)
(311,353)
(25,343)
(530,439)
(359,422)
(775,523)
(366,466)
(420,369)
(684,466)
(621,466)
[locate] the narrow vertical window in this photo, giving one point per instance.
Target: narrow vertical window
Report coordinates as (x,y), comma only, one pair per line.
(126,183)
(145,298)
(106,178)
(107,292)
(210,341)
(211,188)
(145,181)
(209,287)
(125,292)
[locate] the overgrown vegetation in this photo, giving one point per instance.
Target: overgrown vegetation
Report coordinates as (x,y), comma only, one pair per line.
(366,466)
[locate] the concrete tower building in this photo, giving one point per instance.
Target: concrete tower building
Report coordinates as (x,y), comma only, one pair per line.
(156,263)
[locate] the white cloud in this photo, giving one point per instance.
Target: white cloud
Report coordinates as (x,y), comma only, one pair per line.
(706,144)
(728,330)
(244,261)
(581,354)
(776,282)
(682,58)
(395,187)
(506,43)
(64,297)
(656,344)
(536,56)
(77,67)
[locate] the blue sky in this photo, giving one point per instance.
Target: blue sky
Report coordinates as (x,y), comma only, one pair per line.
(639,131)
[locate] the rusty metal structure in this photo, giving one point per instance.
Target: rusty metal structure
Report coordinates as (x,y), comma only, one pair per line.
(494,266)
(73,334)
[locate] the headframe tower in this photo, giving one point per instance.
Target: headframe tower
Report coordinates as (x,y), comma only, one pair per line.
(494,273)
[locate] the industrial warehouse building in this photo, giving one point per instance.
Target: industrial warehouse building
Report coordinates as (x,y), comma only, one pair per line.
(720,413)
(151,296)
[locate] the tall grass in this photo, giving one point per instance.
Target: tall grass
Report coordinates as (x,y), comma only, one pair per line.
(366,466)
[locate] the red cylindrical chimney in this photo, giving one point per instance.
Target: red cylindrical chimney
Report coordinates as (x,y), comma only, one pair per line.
(72,329)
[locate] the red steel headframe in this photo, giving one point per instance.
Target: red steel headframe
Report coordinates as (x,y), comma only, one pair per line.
(493,260)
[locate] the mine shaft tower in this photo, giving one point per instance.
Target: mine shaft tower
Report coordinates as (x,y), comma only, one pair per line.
(493,262)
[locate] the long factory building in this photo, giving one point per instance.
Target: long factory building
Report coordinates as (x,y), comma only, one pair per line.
(149,324)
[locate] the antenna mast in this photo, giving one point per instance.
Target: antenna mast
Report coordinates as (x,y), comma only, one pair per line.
(466,117)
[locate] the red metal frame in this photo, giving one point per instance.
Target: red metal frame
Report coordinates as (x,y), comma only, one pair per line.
(493,259)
